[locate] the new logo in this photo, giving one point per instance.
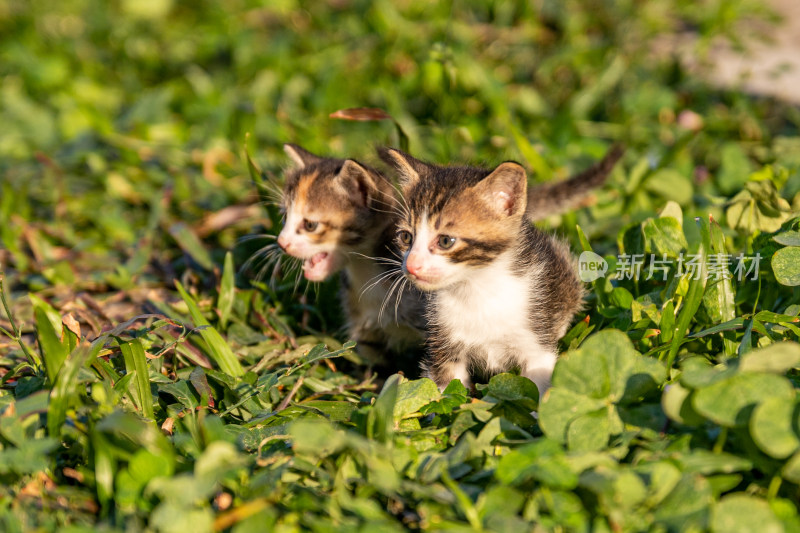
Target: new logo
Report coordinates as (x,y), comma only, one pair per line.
(591,266)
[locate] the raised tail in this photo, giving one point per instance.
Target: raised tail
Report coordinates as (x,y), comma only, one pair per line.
(549,199)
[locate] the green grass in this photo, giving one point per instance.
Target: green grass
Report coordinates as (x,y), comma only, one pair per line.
(150,382)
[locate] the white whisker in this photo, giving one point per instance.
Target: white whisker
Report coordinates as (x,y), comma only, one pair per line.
(388,296)
(379,278)
(384,260)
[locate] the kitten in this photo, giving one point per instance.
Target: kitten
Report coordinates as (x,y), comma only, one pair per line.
(503,292)
(341,216)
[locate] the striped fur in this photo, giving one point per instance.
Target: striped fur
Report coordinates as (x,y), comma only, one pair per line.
(354,208)
(503,292)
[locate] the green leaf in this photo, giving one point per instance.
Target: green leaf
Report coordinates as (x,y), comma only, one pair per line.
(226,291)
(136,361)
(589,432)
(706,462)
(543,461)
(54,353)
(791,470)
(786,266)
(671,185)
(381,416)
(734,169)
(220,350)
(180,391)
(686,506)
(776,358)
(743,513)
(664,235)
(694,297)
(772,427)
(730,402)
(559,407)
(677,404)
(511,388)
(65,386)
(316,438)
(788,238)
(412,395)
(719,298)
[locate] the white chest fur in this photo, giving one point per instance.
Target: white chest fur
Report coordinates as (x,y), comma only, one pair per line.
(492,311)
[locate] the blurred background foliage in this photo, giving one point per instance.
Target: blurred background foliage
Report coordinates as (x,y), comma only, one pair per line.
(143,107)
(122,170)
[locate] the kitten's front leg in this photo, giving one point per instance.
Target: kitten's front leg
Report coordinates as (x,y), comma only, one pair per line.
(443,366)
(538,367)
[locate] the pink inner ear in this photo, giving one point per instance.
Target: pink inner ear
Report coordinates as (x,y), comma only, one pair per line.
(361,193)
(504,202)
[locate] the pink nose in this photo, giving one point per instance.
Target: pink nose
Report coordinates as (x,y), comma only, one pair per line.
(284,243)
(413,264)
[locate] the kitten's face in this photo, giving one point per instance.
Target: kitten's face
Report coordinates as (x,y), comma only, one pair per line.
(325,202)
(457,220)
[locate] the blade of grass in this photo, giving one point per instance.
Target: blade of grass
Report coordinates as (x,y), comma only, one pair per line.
(694,296)
(65,386)
(16,336)
(725,293)
(255,172)
(135,361)
(541,169)
(54,353)
(220,350)
(226,291)
(191,244)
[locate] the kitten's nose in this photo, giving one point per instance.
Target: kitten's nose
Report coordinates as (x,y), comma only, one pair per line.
(283,243)
(413,264)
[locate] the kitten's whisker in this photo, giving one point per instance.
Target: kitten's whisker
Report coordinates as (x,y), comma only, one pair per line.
(403,204)
(265,254)
(248,238)
(380,277)
(275,262)
(384,260)
(388,297)
(297,275)
(398,298)
(391,208)
(276,270)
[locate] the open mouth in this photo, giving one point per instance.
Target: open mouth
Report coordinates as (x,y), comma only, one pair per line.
(318,266)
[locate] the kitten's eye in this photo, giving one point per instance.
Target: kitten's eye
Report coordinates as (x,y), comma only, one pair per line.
(446,242)
(310,226)
(405,237)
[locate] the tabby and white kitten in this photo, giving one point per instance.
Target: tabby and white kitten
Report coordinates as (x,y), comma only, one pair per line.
(341,216)
(503,293)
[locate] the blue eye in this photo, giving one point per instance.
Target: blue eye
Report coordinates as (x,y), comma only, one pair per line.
(446,242)
(310,226)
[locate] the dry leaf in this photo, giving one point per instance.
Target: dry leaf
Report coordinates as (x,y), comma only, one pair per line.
(69,321)
(361,113)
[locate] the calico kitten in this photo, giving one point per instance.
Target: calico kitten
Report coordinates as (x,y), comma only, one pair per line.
(503,292)
(341,215)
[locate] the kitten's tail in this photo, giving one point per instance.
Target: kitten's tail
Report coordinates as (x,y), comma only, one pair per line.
(555,198)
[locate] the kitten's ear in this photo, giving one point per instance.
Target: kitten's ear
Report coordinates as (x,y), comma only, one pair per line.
(407,167)
(357,182)
(302,158)
(505,189)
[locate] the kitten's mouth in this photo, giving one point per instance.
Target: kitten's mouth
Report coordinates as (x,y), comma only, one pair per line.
(422,283)
(318,267)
